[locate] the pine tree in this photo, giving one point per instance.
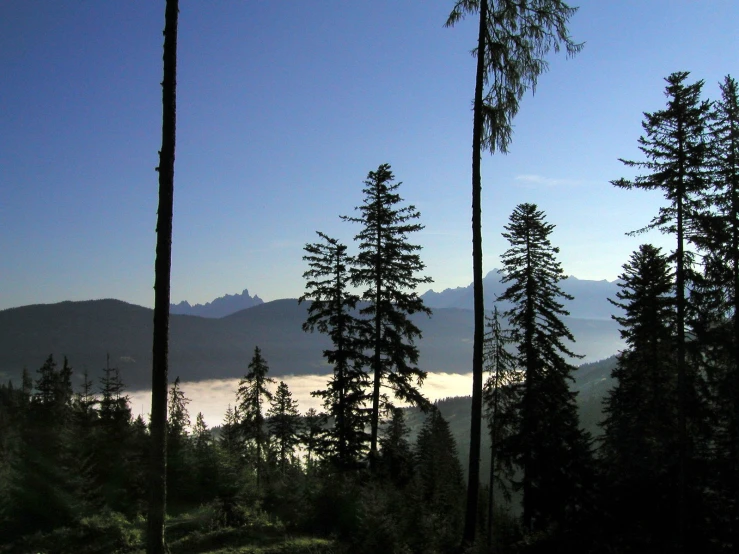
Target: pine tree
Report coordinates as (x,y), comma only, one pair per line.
(640,436)
(513,39)
(549,446)
(178,468)
(331,311)
(162,271)
(387,265)
(313,437)
(284,424)
(440,484)
(250,397)
(676,149)
(396,456)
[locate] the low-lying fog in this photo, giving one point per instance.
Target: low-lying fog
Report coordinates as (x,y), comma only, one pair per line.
(213,396)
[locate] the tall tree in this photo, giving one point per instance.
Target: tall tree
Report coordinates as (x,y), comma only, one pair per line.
(331,312)
(162,269)
(640,439)
(676,149)
(251,397)
(549,446)
(284,424)
(387,264)
(513,39)
(718,325)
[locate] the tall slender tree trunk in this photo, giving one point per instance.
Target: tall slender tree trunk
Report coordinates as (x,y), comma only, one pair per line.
(162,269)
(473,485)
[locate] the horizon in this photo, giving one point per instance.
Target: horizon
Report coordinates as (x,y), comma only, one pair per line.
(256,294)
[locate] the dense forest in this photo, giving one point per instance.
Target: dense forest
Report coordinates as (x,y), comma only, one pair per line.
(79,474)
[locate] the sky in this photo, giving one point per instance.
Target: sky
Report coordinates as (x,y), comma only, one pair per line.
(282,110)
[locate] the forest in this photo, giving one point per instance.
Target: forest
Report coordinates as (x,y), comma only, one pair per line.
(78,473)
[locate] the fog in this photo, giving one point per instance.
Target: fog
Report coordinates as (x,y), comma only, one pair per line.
(212,397)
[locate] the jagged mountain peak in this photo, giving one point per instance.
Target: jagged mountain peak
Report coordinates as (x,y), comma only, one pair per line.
(220,307)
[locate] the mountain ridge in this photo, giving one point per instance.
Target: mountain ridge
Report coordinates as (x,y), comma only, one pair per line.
(219,307)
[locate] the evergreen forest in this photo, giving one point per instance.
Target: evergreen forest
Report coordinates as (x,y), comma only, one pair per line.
(377,469)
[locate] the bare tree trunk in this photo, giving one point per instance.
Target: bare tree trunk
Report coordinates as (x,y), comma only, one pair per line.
(162,269)
(473,484)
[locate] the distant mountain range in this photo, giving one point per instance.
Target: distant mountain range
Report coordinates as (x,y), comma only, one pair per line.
(591,297)
(220,307)
(207,348)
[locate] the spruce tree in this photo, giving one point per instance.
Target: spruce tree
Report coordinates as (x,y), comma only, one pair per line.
(178,471)
(396,456)
(388,266)
(332,312)
(640,436)
(551,450)
(513,39)
(439,485)
(251,397)
(676,149)
(313,437)
(284,424)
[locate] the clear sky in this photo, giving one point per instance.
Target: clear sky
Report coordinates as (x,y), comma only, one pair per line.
(283,109)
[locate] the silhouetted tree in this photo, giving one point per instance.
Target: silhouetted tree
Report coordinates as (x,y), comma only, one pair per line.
(513,38)
(331,312)
(178,468)
(549,446)
(251,396)
(640,436)
(440,484)
(284,424)
(396,456)
(387,264)
(312,436)
(162,269)
(676,150)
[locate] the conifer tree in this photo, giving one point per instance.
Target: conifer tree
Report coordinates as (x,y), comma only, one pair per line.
(640,436)
(396,455)
(676,149)
(549,446)
(440,485)
(251,397)
(230,438)
(388,266)
(162,271)
(284,424)
(178,470)
(513,39)
(331,312)
(312,437)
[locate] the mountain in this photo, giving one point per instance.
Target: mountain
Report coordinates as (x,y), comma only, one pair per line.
(204,348)
(220,307)
(590,302)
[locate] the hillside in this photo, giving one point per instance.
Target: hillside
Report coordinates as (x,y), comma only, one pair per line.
(204,348)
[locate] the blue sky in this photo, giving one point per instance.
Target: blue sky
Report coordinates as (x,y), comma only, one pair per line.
(283,109)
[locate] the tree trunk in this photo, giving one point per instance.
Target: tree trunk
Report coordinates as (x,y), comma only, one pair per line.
(162,269)
(473,484)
